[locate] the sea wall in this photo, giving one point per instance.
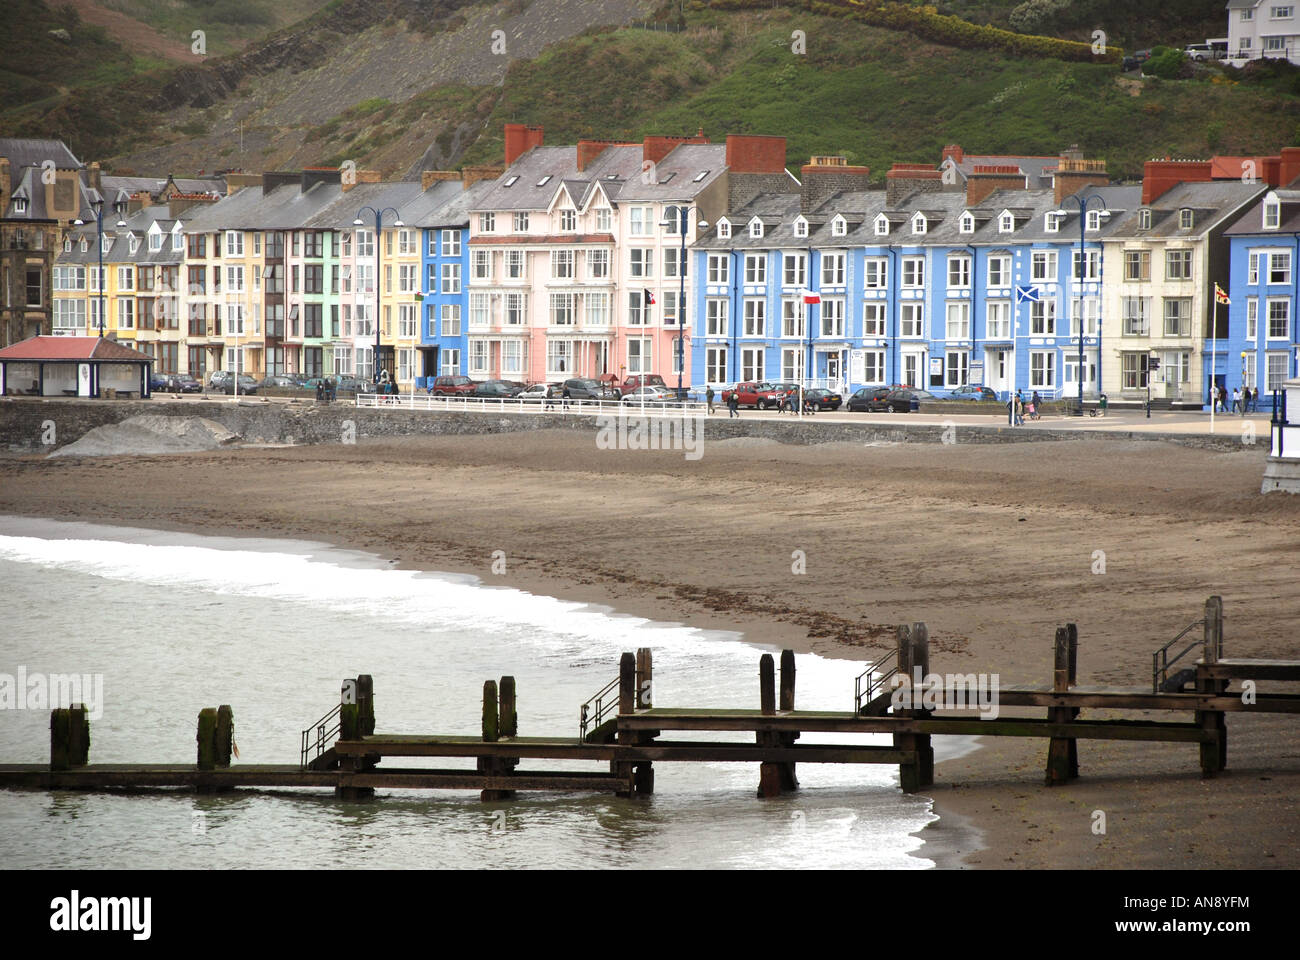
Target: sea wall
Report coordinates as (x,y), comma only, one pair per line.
(34,425)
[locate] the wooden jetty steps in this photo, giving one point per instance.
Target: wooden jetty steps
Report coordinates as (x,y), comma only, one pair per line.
(622,731)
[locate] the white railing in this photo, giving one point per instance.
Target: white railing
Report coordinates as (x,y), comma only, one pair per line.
(555,406)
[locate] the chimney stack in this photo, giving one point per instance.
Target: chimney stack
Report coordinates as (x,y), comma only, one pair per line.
(472,175)
(656,148)
(6,182)
(1290,168)
(362,176)
(520,139)
(755,154)
(954,151)
(429,177)
(1161,176)
(589,150)
(822,177)
(903,179)
(93,176)
(1073,173)
(987,179)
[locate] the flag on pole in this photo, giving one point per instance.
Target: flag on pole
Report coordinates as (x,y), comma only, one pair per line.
(649,297)
(1026,294)
(811,296)
(1220,296)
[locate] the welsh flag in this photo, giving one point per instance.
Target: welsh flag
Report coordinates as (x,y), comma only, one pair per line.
(811,296)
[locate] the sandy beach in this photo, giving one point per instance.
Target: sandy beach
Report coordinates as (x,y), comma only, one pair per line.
(992,546)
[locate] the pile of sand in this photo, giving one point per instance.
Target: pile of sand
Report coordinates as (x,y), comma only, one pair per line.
(150,434)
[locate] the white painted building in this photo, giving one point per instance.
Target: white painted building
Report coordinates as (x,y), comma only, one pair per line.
(1263,28)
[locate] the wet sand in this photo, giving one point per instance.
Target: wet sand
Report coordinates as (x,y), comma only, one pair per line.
(992,546)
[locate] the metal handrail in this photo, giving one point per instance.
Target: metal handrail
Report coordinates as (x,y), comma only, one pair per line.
(861,695)
(324,733)
(602,705)
(1160,662)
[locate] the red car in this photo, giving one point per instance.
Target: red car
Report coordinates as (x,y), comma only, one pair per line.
(642,380)
(760,396)
(452,386)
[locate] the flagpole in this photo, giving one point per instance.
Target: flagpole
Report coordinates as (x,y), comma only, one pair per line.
(1214,352)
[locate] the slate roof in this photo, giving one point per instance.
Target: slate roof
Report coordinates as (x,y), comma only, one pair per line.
(1251,222)
(119,249)
(1211,203)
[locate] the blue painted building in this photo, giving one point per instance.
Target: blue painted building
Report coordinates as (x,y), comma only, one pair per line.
(1262,344)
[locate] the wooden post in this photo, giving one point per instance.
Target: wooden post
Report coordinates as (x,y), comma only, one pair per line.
(352,723)
(909,772)
(1058,748)
(509,716)
(1072,630)
(1214,754)
(766,684)
(491,719)
(921,659)
(769,773)
(207,738)
(69,737)
(366,703)
(627,693)
(225,734)
(644,679)
(789,779)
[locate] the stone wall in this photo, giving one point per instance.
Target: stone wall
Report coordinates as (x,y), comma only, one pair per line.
(32,426)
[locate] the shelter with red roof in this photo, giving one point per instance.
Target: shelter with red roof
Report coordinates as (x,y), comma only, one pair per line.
(45,366)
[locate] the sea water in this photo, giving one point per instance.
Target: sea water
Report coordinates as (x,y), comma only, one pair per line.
(174,623)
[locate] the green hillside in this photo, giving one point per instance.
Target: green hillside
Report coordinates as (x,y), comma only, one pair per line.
(875,95)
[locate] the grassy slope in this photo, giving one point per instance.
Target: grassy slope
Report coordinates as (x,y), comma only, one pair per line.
(874,95)
(227,24)
(1128,24)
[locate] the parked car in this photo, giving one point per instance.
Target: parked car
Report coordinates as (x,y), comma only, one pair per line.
(222,381)
(1204,51)
(820,399)
(969,392)
(187,384)
(900,401)
(638,380)
(584,388)
(354,385)
(1135,60)
(162,383)
(869,399)
(536,392)
(649,394)
(757,394)
(496,389)
(281,381)
(452,386)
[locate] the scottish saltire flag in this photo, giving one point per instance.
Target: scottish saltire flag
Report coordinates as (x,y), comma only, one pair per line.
(1026,294)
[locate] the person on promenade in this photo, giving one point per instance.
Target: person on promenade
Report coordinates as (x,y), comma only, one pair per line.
(320,391)
(1236,401)
(1101,402)
(1252,399)
(1020,410)
(1036,400)
(708,396)
(565,398)
(733,405)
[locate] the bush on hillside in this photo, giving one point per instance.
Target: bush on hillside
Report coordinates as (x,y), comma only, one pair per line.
(1172,64)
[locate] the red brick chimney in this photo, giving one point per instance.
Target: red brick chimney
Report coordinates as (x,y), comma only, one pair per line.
(955,151)
(1290,166)
(755,154)
(589,150)
(1161,176)
(905,178)
(986,179)
(656,148)
(1073,173)
(520,139)
(362,176)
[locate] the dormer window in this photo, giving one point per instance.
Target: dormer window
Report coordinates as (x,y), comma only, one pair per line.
(155,241)
(882,226)
(1144,219)
(20,204)
(1052,222)
(1006,222)
(756,229)
(67,245)
(967,223)
(82,245)
(105,242)
(1185,219)
(839,227)
(177,241)
(724,230)
(132,243)
(919,224)
(801,227)
(1272,213)
(1094,219)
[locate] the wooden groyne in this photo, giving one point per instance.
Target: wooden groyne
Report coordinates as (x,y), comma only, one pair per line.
(622,732)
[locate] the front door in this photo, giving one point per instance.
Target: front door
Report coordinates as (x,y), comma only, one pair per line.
(911,373)
(997,371)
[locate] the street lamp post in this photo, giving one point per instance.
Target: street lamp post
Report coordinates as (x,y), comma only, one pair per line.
(682,214)
(379,227)
(1104,214)
(98,206)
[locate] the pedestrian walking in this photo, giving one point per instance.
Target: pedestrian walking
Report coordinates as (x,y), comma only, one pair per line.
(1020,410)
(733,404)
(320,391)
(1236,401)
(708,396)
(1253,401)
(1101,402)
(564,398)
